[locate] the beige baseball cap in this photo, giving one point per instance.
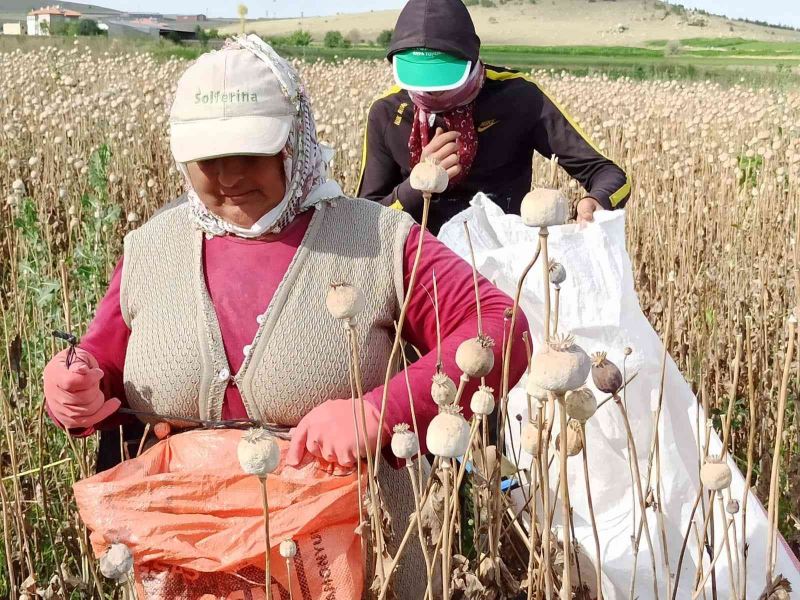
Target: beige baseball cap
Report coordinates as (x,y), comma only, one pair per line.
(227,103)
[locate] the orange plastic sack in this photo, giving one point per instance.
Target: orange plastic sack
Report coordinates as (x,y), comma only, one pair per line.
(194,523)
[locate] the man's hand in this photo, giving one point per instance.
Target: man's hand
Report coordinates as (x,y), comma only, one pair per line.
(444,148)
(586,208)
(327,432)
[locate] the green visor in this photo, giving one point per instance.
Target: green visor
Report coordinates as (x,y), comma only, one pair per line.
(424,70)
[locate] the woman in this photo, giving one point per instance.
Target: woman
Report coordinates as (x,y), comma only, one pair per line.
(482,122)
(217,309)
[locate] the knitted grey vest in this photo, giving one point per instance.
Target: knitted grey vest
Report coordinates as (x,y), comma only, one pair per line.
(176,363)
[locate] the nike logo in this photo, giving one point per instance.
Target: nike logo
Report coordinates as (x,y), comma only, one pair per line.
(487,124)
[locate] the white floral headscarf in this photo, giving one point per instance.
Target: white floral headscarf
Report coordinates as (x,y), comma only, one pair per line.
(305,160)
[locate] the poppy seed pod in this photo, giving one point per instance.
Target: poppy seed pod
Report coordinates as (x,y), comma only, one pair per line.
(605,374)
(529,440)
(258,453)
(534,391)
(561,366)
(288,549)
(443,390)
(404,442)
(482,402)
(475,356)
(715,474)
(344,301)
(429,177)
(558,274)
(543,207)
(732,507)
(117,562)
(448,433)
(574,442)
(581,404)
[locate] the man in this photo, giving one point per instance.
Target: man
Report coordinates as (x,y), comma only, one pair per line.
(481,122)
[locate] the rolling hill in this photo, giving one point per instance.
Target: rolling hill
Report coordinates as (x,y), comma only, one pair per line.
(551,23)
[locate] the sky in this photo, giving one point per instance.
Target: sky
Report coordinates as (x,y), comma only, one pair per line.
(784,12)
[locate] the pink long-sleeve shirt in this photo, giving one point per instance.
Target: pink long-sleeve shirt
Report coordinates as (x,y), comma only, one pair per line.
(239,298)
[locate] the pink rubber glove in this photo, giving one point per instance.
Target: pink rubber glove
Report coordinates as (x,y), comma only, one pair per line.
(328,432)
(73,394)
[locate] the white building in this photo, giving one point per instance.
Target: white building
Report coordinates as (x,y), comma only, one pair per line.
(42,21)
(15,28)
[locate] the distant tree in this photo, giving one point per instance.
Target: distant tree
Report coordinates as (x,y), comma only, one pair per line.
(488,4)
(242,11)
(472,2)
(354,36)
(385,37)
(44,27)
(202,36)
(300,38)
(333,39)
(175,38)
(88,27)
(672,48)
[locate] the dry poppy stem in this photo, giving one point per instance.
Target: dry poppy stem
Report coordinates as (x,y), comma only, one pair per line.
(555,309)
(412,474)
(535,468)
(412,282)
(660,518)
(289,577)
(445,475)
(566,511)
(265,506)
(361,492)
(144,438)
(45,499)
(654,448)
(413,411)
(438,322)
(774,509)
(495,536)
(717,554)
(736,554)
(727,544)
(726,431)
(547,530)
(634,461)
(543,235)
(474,278)
(751,439)
(8,553)
(377,530)
(412,523)
(704,535)
(598,557)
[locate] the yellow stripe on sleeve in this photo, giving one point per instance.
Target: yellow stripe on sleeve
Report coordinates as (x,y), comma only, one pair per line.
(392,90)
(397,205)
(621,193)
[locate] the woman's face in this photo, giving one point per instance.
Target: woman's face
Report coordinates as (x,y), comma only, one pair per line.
(239,189)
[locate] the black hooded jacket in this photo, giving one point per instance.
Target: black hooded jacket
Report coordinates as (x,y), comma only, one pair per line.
(513,117)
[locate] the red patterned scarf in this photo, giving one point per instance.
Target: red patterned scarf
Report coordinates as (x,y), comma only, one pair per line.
(456,108)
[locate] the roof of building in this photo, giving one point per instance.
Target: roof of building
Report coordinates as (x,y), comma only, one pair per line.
(55,10)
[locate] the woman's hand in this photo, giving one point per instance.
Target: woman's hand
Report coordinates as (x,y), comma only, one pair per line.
(73,393)
(328,432)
